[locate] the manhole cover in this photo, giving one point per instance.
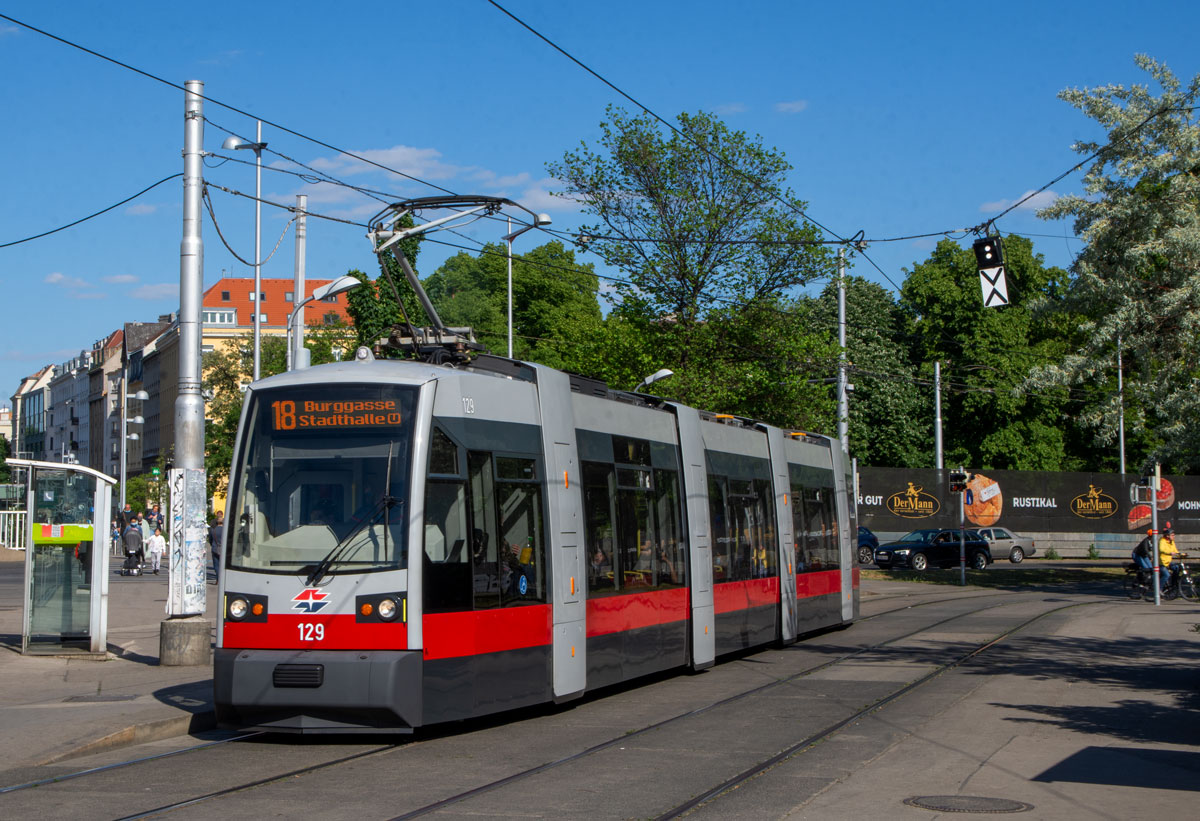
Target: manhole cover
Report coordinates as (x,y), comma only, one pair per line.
(966,803)
(99,698)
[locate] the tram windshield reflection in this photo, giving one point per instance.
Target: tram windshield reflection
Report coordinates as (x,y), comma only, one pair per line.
(317,467)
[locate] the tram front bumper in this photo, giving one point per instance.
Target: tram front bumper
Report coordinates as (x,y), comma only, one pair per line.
(318,691)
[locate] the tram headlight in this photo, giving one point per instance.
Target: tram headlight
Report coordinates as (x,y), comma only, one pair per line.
(238,608)
(388,610)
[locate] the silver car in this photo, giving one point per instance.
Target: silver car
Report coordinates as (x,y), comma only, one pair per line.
(1006,543)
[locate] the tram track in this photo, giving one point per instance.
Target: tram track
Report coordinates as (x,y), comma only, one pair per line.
(779,757)
(608,744)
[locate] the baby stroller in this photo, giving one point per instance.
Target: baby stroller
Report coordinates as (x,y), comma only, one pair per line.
(132,565)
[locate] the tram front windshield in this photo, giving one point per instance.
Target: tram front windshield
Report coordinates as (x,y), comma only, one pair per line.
(323,479)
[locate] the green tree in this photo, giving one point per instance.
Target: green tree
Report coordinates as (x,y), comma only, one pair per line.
(891,408)
(554,300)
(990,421)
(5,452)
(1137,281)
(700,223)
(375,306)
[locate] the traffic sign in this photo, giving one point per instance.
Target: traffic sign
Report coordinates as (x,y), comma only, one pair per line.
(994,287)
(153,471)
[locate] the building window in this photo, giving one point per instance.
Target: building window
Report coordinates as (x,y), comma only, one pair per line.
(332,299)
(224,296)
(262,297)
(287,296)
(331,318)
(262,319)
(206,349)
(219,317)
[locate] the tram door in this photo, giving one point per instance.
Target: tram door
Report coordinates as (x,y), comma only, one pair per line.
(66,560)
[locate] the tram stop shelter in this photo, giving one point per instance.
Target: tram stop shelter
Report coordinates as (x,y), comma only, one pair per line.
(66,559)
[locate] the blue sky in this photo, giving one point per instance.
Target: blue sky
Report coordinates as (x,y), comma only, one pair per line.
(900,118)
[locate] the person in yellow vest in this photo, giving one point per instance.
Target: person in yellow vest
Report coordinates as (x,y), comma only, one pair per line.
(1166,552)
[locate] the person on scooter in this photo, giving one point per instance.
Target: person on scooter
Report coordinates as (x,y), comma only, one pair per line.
(1166,551)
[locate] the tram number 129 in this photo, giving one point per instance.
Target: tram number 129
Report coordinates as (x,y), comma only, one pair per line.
(312,632)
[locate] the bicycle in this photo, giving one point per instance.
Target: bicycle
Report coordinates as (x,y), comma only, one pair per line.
(1139,583)
(1180,584)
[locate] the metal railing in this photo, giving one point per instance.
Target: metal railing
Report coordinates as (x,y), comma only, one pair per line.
(12,529)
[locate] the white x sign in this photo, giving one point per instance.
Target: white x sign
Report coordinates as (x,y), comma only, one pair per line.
(995,290)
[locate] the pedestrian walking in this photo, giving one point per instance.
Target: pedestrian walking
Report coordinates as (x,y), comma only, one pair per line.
(216,539)
(158,546)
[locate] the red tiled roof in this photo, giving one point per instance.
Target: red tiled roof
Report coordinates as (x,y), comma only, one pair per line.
(276,308)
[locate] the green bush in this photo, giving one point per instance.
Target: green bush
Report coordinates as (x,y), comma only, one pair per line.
(1093,553)
(1051,553)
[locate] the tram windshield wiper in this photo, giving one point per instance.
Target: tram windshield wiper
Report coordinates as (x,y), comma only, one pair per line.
(342,550)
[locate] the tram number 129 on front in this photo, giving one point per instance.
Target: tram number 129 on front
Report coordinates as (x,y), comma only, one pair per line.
(312,632)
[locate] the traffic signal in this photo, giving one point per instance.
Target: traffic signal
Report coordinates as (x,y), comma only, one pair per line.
(958,481)
(989,253)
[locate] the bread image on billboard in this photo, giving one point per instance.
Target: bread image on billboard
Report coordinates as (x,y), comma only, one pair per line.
(1139,517)
(987,502)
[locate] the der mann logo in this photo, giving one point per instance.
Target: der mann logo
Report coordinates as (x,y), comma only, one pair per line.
(913,503)
(1094,504)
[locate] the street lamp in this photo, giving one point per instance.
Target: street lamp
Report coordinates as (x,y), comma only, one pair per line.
(257,147)
(338,286)
(538,221)
(654,377)
(126,437)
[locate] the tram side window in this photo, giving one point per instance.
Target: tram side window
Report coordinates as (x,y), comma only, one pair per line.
(447,553)
(744,545)
(671,565)
(599,486)
(520,507)
(829,502)
(632,521)
(717,489)
(815,526)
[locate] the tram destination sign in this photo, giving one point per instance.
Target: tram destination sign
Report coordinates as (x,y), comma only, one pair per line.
(313,414)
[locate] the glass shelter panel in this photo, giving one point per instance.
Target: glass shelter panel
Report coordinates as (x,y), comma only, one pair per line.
(61,561)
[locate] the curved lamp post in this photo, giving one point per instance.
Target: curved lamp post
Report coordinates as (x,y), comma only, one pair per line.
(232,143)
(338,286)
(127,437)
(538,221)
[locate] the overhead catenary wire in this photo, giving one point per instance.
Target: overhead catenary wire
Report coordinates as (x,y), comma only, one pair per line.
(89,216)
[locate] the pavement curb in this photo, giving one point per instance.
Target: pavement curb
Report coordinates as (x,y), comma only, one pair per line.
(137,734)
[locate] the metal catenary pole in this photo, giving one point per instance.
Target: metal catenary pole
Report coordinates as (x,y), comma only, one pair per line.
(843,406)
(187,579)
(937,412)
(1154,485)
(962,534)
(257,248)
(296,352)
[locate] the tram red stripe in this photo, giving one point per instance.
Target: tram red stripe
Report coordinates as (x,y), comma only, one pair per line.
(729,596)
(448,635)
(821,583)
(614,614)
(289,631)
(854,577)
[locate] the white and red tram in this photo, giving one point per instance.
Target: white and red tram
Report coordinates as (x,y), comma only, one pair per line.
(410,543)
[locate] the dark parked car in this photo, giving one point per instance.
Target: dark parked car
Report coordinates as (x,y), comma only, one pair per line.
(923,549)
(867,542)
